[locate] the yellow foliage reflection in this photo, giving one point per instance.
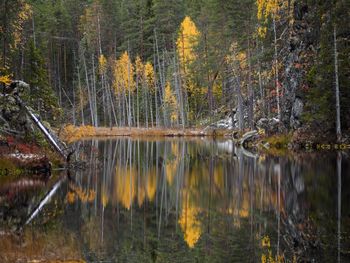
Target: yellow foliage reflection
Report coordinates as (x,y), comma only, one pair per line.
(85,196)
(199,186)
(189,223)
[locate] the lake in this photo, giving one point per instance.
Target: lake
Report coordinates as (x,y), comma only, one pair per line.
(182,200)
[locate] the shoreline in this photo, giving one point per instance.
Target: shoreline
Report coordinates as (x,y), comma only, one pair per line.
(281,141)
(72,133)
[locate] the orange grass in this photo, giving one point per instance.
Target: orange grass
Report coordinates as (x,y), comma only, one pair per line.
(72,133)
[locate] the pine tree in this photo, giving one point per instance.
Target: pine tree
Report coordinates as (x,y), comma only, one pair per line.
(40,96)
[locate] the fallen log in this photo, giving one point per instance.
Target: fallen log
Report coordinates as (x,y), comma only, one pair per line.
(248,136)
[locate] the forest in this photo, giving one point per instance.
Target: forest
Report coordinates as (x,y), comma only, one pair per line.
(180,131)
(183,63)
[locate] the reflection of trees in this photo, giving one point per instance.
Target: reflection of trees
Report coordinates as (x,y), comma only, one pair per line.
(189,222)
(215,196)
(174,176)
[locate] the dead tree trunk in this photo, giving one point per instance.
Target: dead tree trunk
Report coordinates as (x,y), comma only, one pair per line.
(337,100)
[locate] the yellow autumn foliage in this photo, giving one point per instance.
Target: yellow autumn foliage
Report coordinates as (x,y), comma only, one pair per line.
(149,76)
(5,79)
(266,8)
(102,64)
(186,42)
(123,74)
(171,102)
(262,31)
(139,67)
(25,12)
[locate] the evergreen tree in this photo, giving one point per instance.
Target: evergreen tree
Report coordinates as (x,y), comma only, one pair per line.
(40,96)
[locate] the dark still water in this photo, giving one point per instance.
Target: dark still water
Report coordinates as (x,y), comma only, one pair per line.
(176,200)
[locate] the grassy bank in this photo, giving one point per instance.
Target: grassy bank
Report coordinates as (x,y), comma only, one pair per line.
(72,133)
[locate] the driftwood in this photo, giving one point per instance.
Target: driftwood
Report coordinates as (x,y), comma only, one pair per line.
(248,136)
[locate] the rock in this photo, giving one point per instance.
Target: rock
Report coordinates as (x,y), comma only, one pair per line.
(222,124)
(35,163)
(269,125)
(225,123)
(297,63)
(297,110)
(12,115)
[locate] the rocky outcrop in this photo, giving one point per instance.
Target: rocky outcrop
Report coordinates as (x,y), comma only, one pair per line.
(297,110)
(13,118)
(297,63)
(270,126)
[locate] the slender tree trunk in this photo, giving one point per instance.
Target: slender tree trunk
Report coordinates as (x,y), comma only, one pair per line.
(337,96)
(73,108)
(94,91)
(261,88)
(89,92)
(240,106)
(178,90)
(4,44)
(129,97)
(137,102)
(163,95)
(81,98)
(145,100)
(112,101)
(58,74)
(339,161)
(155,89)
(161,79)
(150,106)
(210,87)
(276,69)
(133,109)
(33,27)
(250,91)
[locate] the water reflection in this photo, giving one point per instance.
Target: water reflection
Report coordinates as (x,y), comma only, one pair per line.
(201,200)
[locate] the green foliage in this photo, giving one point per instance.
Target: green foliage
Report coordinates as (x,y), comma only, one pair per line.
(47,44)
(40,96)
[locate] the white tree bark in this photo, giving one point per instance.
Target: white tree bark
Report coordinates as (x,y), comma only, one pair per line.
(337,100)
(276,69)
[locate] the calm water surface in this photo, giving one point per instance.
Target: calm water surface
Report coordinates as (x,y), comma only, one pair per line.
(176,200)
